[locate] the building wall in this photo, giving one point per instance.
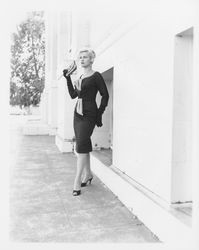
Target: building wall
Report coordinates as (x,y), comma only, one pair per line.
(142,55)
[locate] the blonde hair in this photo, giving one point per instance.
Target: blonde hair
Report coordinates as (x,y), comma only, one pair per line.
(89,51)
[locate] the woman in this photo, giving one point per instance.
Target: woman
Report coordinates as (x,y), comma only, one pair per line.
(86,114)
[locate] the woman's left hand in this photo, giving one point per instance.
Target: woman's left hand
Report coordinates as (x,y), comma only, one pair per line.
(99,120)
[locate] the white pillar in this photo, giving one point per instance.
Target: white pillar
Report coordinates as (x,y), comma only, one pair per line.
(44,96)
(65,106)
(83,38)
(50,93)
(195,145)
(80,36)
(73,33)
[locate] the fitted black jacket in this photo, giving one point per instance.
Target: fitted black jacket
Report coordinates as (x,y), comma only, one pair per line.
(89,87)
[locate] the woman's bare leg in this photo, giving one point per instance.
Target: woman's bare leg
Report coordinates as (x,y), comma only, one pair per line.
(87,169)
(82,160)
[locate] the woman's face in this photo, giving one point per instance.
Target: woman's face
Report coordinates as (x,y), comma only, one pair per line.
(85,59)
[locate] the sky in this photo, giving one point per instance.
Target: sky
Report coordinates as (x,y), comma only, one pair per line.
(16,19)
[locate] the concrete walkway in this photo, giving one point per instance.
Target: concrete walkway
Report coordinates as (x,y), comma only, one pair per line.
(42,208)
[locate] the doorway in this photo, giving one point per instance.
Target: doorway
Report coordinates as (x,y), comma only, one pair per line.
(102,138)
(181,187)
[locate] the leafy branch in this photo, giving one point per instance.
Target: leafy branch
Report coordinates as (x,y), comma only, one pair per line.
(28,61)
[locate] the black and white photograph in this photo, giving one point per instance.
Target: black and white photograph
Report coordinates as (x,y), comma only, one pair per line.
(103,124)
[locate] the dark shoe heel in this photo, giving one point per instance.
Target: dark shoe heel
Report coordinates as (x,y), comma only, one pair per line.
(83,184)
(76,192)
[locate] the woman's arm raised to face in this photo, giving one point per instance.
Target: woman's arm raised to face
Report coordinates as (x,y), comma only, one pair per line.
(72,91)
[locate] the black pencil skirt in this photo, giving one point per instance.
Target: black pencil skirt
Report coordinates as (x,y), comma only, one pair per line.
(83,128)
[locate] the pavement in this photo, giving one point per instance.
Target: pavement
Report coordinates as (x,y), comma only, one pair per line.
(42,208)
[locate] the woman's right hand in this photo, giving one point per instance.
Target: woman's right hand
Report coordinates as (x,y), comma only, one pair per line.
(65,71)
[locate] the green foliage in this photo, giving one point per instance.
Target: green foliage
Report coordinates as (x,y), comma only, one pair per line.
(28,61)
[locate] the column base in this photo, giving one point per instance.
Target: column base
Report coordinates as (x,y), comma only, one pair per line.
(64,145)
(52,130)
(34,126)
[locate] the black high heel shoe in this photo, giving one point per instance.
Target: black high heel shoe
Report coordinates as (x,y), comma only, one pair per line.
(83,184)
(76,192)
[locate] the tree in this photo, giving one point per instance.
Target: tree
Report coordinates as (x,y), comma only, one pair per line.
(28,61)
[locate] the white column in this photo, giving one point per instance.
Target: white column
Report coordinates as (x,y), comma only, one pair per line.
(65,105)
(80,36)
(73,33)
(43,106)
(51,77)
(83,32)
(195,145)
(44,95)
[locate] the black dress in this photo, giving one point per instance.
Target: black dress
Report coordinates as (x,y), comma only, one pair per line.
(85,122)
